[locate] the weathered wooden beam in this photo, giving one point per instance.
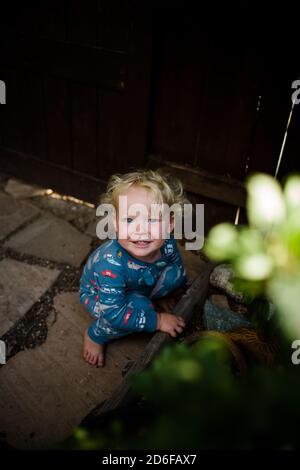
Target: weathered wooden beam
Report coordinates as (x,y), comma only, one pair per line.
(123,395)
(204,183)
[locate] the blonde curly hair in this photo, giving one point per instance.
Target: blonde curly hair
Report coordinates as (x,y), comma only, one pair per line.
(165,188)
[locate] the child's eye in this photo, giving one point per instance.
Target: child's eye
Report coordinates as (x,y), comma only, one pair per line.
(129,220)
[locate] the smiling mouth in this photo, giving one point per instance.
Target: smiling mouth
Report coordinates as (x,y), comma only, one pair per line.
(142,243)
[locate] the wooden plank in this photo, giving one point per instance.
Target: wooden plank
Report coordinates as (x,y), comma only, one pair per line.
(228,108)
(216,212)
(138,86)
(122,140)
(204,183)
(45,18)
(84,117)
(274,110)
(82,20)
(34,115)
(178,79)
(69,61)
(114,24)
(112,133)
(91,69)
(58,123)
(277,72)
(51,175)
(205,90)
(12,131)
(123,395)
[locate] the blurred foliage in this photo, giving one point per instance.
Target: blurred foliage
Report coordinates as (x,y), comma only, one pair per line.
(193,395)
(197,400)
(265,255)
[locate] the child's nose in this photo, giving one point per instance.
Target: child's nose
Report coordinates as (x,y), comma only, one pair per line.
(142,227)
(141,231)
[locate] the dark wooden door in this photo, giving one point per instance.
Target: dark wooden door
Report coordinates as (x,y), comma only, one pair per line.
(221,94)
(77,81)
(222,86)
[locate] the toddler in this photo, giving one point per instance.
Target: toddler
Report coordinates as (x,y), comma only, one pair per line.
(123,275)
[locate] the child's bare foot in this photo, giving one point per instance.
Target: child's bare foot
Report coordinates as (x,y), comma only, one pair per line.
(93,353)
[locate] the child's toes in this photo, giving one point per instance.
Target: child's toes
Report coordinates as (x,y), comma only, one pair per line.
(88,356)
(93,359)
(85,354)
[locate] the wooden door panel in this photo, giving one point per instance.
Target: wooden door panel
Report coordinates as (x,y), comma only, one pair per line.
(77,76)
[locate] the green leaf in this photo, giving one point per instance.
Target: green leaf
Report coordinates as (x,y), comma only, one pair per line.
(255,267)
(284,290)
(292,192)
(222,242)
(265,202)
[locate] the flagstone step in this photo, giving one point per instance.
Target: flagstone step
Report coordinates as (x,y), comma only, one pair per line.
(21,285)
(51,238)
(47,391)
(14,214)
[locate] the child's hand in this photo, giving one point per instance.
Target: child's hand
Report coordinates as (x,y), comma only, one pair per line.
(169,323)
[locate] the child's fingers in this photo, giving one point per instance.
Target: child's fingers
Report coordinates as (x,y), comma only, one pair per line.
(179,329)
(175,330)
(172,331)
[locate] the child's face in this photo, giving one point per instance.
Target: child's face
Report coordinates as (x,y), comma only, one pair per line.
(139,231)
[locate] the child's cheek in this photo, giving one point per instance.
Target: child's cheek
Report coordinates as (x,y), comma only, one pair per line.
(156,231)
(123,231)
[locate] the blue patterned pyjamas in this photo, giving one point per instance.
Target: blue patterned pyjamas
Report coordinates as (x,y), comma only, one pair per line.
(117,289)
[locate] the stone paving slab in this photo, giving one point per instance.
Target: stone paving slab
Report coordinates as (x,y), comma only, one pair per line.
(21,285)
(47,391)
(80,215)
(20,190)
(13,214)
(52,238)
(91,228)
